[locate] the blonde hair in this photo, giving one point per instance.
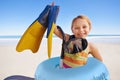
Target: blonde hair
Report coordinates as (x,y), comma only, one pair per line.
(82,17)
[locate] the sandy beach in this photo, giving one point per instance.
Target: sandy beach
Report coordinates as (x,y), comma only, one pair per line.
(25,63)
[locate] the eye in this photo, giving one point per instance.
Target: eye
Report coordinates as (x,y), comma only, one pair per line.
(76,27)
(84,26)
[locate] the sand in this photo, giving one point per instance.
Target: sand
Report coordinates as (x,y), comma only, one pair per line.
(25,63)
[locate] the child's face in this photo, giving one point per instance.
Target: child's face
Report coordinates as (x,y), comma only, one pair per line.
(80,28)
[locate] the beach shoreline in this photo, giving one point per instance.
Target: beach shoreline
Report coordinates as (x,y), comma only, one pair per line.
(25,63)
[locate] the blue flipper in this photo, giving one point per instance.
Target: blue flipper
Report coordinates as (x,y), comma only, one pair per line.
(19,77)
(52,18)
(51,25)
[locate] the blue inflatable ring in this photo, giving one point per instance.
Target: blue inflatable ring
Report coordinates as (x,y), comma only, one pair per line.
(93,70)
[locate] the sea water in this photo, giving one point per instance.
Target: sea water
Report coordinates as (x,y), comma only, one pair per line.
(92,38)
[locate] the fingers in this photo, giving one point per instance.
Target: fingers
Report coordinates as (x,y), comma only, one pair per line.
(52,4)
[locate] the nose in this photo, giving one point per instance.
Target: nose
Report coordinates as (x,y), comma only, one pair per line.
(80,29)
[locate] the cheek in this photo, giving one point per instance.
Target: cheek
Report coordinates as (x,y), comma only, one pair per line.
(74,31)
(87,32)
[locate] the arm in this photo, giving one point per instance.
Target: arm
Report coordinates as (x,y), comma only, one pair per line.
(94,51)
(59,34)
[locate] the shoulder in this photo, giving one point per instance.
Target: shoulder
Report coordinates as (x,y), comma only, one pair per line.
(94,51)
(92,47)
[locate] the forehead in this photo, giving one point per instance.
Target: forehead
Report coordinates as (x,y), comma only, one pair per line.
(80,21)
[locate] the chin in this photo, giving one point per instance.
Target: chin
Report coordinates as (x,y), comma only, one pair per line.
(83,36)
(80,36)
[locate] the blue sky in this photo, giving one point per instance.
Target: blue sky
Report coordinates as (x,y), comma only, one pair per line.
(17,15)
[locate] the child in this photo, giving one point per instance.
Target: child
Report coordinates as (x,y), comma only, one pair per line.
(81,27)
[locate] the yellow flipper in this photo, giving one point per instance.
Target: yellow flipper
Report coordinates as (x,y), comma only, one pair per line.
(32,37)
(50,40)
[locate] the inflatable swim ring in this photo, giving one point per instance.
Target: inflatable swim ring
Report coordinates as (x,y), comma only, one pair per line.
(93,70)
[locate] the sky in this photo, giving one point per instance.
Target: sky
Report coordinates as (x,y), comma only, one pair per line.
(17,15)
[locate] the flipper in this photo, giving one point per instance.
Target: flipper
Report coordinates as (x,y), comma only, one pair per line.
(51,25)
(19,77)
(32,37)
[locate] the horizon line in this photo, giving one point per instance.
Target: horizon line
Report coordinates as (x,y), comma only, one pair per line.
(91,35)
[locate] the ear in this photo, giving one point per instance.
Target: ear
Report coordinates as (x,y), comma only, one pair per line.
(72,29)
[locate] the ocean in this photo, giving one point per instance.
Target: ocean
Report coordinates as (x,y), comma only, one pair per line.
(92,38)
